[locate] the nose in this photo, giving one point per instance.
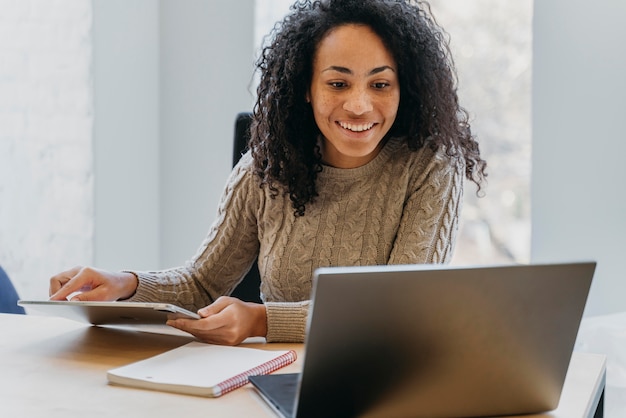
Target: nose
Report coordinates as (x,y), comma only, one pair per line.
(358,102)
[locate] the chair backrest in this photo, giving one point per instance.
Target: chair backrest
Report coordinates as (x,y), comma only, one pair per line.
(8,295)
(242,135)
(249,288)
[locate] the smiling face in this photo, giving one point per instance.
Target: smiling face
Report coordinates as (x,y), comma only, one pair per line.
(354,94)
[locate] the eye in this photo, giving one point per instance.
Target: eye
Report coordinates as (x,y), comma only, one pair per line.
(337,84)
(380,85)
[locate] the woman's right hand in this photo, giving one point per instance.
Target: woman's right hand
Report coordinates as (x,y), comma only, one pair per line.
(92,284)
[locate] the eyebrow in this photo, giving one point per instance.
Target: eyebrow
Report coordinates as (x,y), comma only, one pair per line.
(345,70)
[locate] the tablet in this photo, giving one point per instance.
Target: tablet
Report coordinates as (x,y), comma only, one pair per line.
(110,313)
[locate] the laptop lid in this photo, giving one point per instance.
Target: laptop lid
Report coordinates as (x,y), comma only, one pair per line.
(440,341)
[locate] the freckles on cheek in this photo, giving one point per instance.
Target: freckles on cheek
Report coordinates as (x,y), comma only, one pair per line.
(326,106)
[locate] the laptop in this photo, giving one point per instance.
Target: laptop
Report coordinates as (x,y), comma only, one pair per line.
(435,341)
(109,313)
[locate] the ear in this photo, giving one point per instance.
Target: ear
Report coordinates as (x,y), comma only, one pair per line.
(307,97)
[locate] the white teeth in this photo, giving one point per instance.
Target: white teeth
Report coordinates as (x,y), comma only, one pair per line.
(356,127)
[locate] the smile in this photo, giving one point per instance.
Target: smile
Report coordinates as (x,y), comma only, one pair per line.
(356,127)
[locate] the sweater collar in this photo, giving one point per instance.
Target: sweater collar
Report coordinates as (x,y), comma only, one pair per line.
(374,166)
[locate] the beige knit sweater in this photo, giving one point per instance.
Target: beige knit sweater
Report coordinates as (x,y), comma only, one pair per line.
(400,208)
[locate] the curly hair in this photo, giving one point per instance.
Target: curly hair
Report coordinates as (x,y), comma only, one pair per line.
(284,134)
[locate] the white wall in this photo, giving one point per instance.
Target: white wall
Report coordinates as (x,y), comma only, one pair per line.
(206,68)
(579,141)
(116,126)
(46,119)
(126,133)
(170,77)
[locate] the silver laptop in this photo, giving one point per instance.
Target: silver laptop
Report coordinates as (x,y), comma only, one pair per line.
(109,313)
(428,341)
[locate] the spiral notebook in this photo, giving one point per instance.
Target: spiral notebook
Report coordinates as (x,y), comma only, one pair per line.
(200,369)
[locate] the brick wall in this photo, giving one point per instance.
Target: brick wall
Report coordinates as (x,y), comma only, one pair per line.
(46,121)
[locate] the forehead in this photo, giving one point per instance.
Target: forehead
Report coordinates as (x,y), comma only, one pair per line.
(352,43)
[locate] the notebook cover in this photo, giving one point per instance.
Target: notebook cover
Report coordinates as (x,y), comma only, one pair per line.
(200,369)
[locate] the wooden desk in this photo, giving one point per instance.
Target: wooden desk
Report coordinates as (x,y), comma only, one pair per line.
(52,367)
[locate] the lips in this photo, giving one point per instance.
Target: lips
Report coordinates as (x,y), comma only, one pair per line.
(356,127)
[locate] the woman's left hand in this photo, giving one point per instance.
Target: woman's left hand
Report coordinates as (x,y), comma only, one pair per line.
(227,321)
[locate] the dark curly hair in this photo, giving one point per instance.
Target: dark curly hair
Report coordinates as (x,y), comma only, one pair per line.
(284,133)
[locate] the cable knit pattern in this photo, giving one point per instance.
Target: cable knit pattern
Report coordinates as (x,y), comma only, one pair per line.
(400,208)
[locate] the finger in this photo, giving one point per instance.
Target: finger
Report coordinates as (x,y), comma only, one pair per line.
(57,281)
(78,283)
(218,306)
(193,326)
(87,294)
(67,289)
(220,335)
(56,284)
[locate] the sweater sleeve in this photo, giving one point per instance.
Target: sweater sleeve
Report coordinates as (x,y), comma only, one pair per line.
(226,254)
(286,321)
(429,224)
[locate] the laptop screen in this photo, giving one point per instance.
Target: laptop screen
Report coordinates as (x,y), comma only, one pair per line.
(430,341)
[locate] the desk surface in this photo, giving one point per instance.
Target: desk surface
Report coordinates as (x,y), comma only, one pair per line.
(54,367)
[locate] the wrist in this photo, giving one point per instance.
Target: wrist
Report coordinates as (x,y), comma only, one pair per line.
(260,322)
(130,282)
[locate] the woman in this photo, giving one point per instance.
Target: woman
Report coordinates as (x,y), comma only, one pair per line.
(358,154)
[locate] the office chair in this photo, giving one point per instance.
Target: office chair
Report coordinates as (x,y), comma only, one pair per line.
(249,288)
(8,295)
(242,135)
